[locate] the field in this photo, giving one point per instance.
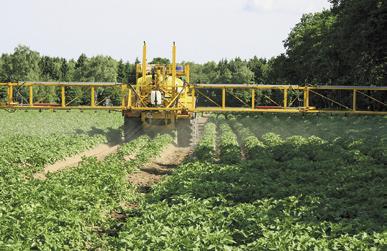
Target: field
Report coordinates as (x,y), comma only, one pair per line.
(259,182)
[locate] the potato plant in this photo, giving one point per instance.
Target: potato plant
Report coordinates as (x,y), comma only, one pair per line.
(309,192)
(228,144)
(70,208)
(315,183)
(252,145)
(205,150)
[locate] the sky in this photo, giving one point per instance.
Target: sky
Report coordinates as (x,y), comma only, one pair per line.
(203,30)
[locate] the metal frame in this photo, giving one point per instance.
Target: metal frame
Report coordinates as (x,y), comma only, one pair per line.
(63,105)
(127,92)
(286,107)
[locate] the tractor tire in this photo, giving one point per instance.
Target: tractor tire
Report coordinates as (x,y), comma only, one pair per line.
(132,128)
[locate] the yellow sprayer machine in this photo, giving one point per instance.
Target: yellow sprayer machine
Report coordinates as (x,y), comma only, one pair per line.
(161,98)
(161,95)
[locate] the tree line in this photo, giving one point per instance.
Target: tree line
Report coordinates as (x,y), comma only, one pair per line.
(345,45)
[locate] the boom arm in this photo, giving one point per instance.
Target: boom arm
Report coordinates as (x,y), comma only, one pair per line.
(20,96)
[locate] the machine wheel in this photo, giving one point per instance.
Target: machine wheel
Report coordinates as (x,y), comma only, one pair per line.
(132,128)
(184,132)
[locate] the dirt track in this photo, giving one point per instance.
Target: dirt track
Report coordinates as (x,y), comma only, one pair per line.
(169,159)
(100,152)
(148,174)
(153,171)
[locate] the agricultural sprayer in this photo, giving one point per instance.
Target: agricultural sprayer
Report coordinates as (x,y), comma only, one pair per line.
(164,97)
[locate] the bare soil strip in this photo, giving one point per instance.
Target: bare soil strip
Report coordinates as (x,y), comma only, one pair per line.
(170,158)
(100,152)
(148,174)
(152,172)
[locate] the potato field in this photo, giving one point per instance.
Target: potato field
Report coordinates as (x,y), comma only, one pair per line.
(251,182)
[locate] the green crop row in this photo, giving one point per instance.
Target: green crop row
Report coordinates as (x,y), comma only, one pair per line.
(30,140)
(302,192)
(252,145)
(35,123)
(29,154)
(205,150)
(228,144)
(71,209)
(306,188)
(238,207)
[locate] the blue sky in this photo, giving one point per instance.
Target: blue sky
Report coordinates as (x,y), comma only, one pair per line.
(203,29)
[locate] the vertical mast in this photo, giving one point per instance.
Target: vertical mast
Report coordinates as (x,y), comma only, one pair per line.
(174,66)
(144,62)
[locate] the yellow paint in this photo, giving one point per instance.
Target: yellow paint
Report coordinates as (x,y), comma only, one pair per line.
(144,60)
(199,109)
(31,95)
(193,100)
(92,90)
(176,95)
(306,97)
(187,72)
(285,98)
(123,89)
(130,98)
(63,97)
(10,94)
(252,98)
(174,68)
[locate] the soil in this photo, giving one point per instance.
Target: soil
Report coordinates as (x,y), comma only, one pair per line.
(172,156)
(148,174)
(152,172)
(100,152)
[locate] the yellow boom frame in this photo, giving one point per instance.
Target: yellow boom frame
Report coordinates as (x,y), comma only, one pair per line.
(8,90)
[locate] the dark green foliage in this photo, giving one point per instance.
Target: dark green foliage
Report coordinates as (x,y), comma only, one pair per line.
(205,150)
(124,70)
(344,45)
(229,150)
(253,147)
(68,210)
(316,183)
(308,52)
(359,35)
(160,61)
(22,65)
(307,192)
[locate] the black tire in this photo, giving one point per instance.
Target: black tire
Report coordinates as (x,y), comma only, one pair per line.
(132,128)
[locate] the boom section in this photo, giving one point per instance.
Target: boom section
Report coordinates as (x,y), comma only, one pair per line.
(370,100)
